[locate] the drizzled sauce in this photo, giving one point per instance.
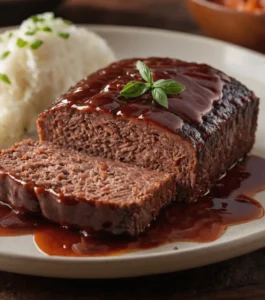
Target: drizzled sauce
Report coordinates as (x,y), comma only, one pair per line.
(228,203)
(100,92)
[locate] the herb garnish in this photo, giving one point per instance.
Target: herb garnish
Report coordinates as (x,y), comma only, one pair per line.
(36,44)
(40,25)
(21,43)
(4,78)
(4,55)
(63,35)
(46,29)
(31,32)
(160,89)
(36,19)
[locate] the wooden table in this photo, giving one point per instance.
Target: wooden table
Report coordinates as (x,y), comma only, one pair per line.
(240,278)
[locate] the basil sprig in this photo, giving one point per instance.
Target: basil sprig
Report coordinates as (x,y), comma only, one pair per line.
(159,89)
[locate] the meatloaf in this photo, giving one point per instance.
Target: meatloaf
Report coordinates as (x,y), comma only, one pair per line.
(204,131)
(73,189)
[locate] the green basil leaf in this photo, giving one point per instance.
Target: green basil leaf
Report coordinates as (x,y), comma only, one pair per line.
(160,97)
(145,72)
(134,89)
(169,86)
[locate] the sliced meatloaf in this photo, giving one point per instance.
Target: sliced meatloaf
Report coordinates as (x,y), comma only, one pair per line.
(73,189)
(206,128)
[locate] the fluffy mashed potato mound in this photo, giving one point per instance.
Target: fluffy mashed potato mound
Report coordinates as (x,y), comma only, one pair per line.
(38,62)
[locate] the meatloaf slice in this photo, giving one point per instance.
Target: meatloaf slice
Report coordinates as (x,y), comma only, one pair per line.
(73,189)
(205,130)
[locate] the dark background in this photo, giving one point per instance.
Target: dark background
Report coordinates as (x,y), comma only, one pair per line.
(240,278)
(169,14)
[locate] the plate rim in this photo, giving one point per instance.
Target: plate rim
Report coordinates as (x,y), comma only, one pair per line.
(150,30)
(167,253)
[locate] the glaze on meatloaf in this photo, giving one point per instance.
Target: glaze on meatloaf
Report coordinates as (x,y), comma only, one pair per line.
(91,193)
(205,130)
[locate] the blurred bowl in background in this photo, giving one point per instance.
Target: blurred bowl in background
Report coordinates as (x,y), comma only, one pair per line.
(13,12)
(231,25)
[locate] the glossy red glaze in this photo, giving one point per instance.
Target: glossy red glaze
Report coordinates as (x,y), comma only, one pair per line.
(101,91)
(228,203)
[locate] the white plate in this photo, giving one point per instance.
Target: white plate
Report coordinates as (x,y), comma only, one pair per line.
(19,254)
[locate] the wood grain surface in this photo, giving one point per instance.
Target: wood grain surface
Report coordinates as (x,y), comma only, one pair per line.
(240,278)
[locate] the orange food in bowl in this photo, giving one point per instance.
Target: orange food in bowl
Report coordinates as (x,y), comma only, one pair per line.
(240,22)
(246,5)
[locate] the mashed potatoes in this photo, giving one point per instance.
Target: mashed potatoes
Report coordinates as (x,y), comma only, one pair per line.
(38,62)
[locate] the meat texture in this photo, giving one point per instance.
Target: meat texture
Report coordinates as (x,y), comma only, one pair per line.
(72,189)
(205,130)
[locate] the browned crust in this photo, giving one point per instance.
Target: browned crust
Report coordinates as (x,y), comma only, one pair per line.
(226,134)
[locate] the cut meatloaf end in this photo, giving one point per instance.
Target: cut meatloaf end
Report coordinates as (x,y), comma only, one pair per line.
(72,189)
(204,131)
